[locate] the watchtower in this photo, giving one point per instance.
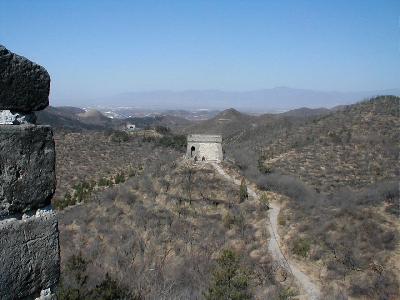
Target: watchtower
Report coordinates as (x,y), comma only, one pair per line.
(204,147)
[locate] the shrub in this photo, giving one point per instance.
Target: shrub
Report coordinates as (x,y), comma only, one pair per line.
(264,169)
(375,285)
(60,204)
(172,141)
(119,136)
(240,222)
(287,185)
(162,129)
(131,172)
(82,191)
(281,219)
(68,294)
(104,182)
(228,220)
(109,289)
(301,247)
(77,265)
(286,293)
(264,201)
(229,281)
(119,178)
(243,195)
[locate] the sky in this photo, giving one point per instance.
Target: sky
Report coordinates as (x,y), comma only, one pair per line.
(98,48)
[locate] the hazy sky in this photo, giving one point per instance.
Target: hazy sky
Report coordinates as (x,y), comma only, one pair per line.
(96,48)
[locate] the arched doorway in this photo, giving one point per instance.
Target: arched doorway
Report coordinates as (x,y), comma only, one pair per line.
(192,150)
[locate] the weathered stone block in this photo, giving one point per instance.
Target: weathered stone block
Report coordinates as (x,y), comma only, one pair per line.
(24,85)
(29,255)
(27,168)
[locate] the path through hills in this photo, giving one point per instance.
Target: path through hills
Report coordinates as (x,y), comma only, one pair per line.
(310,289)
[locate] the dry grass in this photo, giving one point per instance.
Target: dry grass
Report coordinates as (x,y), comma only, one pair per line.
(160,232)
(90,156)
(340,172)
(354,147)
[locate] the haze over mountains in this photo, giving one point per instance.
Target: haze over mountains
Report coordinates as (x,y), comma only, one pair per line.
(74,118)
(264,100)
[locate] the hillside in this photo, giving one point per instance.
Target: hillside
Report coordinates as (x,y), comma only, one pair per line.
(228,123)
(354,146)
(64,118)
(305,112)
(340,174)
(143,211)
(155,224)
(96,118)
(232,124)
(76,119)
(172,122)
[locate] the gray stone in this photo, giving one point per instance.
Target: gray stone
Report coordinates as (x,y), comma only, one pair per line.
(27,168)
(16,118)
(24,85)
(29,256)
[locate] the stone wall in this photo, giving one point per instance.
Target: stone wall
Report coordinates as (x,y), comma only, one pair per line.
(29,248)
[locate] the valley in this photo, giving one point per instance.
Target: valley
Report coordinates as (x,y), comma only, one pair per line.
(337,229)
(199,150)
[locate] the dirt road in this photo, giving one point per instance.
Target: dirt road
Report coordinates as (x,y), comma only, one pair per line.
(310,289)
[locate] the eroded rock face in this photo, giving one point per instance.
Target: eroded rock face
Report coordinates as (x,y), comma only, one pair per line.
(24,85)
(27,168)
(29,255)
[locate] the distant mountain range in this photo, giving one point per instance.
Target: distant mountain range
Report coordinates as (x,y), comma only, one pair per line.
(227,122)
(77,119)
(266,100)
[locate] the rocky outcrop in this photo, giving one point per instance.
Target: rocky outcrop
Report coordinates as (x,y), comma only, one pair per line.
(24,85)
(29,248)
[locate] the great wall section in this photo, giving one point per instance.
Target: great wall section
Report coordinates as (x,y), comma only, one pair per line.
(29,245)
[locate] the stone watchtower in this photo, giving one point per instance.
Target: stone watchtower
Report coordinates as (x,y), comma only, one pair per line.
(204,147)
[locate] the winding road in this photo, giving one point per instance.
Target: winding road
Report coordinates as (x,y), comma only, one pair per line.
(310,289)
